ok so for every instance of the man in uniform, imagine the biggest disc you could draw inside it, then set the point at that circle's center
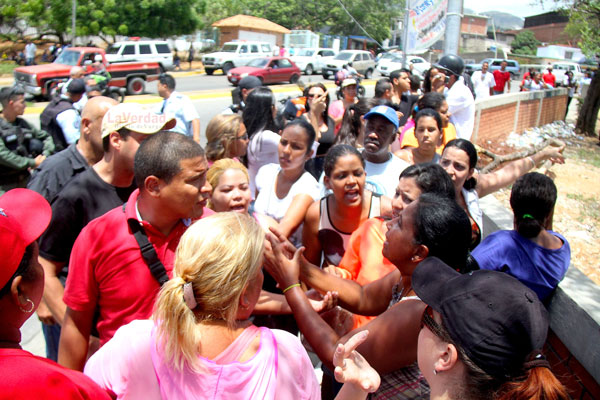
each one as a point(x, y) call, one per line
point(60, 118)
point(22, 147)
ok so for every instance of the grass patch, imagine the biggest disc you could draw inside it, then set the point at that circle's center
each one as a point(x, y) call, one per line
point(589, 156)
point(6, 68)
point(589, 207)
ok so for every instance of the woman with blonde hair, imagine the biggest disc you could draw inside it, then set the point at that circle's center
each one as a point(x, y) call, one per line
point(226, 138)
point(200, 342)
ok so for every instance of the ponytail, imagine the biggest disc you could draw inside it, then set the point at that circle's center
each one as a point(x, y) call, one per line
point(528, 226)
point(177, 336)
point(539, 384)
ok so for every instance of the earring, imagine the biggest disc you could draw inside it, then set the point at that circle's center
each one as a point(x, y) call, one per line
point(32, 306)
point(435, 371)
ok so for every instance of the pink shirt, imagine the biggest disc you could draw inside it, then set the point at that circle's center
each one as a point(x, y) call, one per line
point(130, 365)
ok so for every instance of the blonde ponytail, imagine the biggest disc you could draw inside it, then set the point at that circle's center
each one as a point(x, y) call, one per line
point(218, 255)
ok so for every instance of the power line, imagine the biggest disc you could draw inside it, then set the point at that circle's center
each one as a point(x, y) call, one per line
point(359, 25)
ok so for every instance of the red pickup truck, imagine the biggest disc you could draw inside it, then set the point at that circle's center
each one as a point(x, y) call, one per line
point(39, 80)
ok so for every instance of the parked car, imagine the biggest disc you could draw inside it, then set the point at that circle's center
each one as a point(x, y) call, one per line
point(39, 80)
point(360, 60)
point(388, 65)
point(267, 69)
point(141, 50)
point(235, 54)
point(311, 61)
point(494, 63)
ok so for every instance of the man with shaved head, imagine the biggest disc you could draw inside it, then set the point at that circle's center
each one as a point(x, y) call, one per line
point(58, 169)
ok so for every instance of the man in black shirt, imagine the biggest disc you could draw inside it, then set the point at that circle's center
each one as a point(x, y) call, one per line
point(52, 175)
point(401, 93)
point(93, 192)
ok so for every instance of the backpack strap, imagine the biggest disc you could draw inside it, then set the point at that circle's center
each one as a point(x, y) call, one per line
point(156, 267)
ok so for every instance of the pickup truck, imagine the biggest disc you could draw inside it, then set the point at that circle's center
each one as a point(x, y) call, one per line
point(559, 69)
point(39, 80)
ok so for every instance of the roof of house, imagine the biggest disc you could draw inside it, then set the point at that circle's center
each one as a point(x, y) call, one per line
point(249, 22)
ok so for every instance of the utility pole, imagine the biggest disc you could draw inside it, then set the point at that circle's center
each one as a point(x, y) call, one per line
point(405, 32)
point(453, 17)
point(73, 20)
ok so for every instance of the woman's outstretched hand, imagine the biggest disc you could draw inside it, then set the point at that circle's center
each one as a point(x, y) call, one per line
point(353, 370)
point(283, 260)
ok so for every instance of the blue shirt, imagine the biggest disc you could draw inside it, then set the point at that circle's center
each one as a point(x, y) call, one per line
point(181, 107)
point(537, 267)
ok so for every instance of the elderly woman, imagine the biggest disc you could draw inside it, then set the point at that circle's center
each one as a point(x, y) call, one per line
point(200, 342)
point(24, 216)
point(226, 138)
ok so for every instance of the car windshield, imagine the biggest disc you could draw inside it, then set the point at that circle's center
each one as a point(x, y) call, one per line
point(344, 56)
point(229, 48)
point(259, 62)
point(114, 49)
point(68, 57)
point(306, 53)
point(397, 59)
point(387, 56)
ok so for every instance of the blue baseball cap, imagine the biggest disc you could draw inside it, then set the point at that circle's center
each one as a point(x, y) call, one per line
point(386, 112)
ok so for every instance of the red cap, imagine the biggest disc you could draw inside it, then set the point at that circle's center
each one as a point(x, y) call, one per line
point(24, 216)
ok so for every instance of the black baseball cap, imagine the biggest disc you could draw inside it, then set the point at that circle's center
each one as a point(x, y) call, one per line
point(77, 86)
point(249, 82)
point(493, 317)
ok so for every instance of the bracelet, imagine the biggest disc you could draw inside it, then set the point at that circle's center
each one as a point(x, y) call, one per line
point(532, 162)
point(291, 286)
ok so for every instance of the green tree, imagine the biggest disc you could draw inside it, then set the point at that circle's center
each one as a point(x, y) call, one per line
point(525, 43)
point(107, 18)
point(374, 15)
point(584, 22)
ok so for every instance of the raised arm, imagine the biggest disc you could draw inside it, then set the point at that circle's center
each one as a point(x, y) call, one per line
point(310, 234)
point(494, 181)
point(295, 214)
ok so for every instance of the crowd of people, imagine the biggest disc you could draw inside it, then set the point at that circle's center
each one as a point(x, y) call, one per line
point(143, 253)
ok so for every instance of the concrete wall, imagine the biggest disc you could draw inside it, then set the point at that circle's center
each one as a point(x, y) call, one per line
point(497, 116)
point(474, 24)
point(573, 345)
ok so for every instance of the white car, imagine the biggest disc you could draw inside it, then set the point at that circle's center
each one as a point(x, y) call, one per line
point(387, 66)
point(235, 54)
point(142, 50)
point(311, 61)
point(362, 61)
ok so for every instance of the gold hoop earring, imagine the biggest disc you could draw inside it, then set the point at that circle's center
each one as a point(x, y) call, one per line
point(32, 306)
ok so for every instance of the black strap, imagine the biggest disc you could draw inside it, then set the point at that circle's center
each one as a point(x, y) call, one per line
point(156, 267)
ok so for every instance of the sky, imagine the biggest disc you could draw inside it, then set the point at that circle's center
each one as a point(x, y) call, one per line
point(520, 8)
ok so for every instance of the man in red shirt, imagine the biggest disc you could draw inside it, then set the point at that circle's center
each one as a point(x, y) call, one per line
point(501, 76)
point(549, 78)
point(109, 283)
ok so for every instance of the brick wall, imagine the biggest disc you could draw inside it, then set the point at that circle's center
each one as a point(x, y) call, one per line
point(497, 116)
point(579, 383)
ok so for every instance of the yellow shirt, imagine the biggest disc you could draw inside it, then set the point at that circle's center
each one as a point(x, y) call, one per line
point(448, 133)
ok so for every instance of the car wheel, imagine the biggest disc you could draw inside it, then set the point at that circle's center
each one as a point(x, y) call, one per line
point(309, 70)
point(136, 86)
point(226, 67)
point(209, 71)
point(294, 78)
point(161, 68)
point(325, 76)
point(369, 73)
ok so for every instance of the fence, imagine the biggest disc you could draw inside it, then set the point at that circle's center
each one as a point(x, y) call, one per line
point(496, 116)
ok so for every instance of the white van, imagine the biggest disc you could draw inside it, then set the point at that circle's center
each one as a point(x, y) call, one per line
point(141, 50)
point(235, 54)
